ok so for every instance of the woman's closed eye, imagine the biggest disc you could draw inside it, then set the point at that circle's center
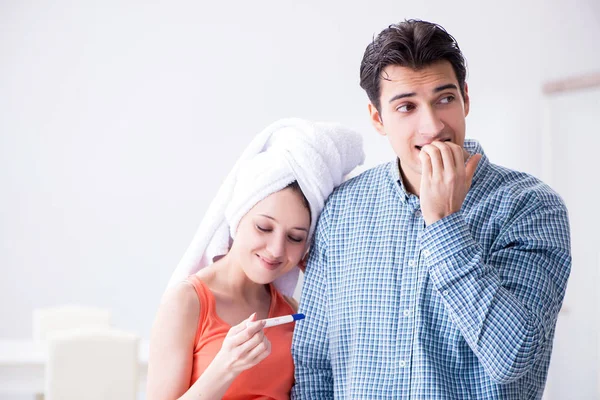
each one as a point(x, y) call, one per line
point(296, 239)
point(263, 229)
point(292, 238)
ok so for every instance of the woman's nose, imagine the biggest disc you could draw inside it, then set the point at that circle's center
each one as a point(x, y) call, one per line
point(276, 246)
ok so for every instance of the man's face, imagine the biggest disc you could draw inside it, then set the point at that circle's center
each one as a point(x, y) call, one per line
point(417, 108)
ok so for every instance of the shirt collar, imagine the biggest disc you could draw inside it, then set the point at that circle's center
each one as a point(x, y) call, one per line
point(397, 179)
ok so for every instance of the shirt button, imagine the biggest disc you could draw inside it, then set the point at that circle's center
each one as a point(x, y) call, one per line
point(417, 213)
point(445, 292)
point(411, 263)
point(426, 253)
point(403, 363)
point(406, 313)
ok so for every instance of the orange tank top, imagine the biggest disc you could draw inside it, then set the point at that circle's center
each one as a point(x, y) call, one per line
point(273, 377)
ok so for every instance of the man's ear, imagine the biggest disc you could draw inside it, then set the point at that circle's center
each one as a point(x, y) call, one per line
point(376, 119)
point(467, 100)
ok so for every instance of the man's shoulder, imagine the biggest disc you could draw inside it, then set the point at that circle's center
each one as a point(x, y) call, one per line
point(373, 175)
point(517, 186)
point(362, 184)
point(495, 184)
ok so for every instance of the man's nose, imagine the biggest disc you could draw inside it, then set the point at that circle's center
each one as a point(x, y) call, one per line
point(429, 123)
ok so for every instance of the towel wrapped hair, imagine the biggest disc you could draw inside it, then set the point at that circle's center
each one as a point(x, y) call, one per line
point(316, 155)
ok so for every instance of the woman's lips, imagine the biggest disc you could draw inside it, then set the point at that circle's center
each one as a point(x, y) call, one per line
point(269, 264)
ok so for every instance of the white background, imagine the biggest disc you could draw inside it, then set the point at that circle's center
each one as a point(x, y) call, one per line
point(119, 120)
point(574, 173)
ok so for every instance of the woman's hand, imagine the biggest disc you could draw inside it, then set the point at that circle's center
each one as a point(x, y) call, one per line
point(244, 346)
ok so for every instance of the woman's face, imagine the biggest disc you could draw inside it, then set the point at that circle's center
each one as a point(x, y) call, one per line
point(272, 237)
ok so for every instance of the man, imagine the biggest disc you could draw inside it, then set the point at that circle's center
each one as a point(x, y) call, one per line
point(439, 275)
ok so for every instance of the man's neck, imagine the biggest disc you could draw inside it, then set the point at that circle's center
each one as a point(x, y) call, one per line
point(411, 184)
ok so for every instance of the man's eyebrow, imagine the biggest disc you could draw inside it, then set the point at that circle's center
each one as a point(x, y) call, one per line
point(401, 96)
point(444, 87)
point(436, 90)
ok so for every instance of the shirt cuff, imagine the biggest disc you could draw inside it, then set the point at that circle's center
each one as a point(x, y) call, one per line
point(444, 238)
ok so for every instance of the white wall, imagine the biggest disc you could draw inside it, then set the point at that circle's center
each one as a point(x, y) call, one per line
point(575, 170)
point(118, 120)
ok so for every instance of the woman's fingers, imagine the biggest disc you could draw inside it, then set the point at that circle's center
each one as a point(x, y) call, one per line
point(250, 344)
point(259, 352)
point(248, 328)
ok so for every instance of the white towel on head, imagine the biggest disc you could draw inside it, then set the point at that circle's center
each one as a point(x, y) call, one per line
point(316, 155)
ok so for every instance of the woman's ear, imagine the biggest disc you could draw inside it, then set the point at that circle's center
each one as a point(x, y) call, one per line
point(302, 263)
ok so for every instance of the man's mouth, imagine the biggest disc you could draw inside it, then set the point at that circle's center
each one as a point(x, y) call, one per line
point(421, 146)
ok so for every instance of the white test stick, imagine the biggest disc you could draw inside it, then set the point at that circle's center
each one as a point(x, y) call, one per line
point(286, 319)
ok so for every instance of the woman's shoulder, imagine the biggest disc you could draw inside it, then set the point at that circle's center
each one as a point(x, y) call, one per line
point(201, 281)
point(182, 298)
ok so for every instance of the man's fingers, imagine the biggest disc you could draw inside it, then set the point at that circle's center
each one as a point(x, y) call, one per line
point(471, 167)
point(466, 155)
point(459, 156)
point(425, 164)
point(447, 156)
point(437, 165)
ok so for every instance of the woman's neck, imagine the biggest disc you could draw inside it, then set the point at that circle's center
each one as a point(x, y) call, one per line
point(231, 278)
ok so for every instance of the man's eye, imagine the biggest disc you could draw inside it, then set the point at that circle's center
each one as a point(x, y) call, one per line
point(405, 108)
point(447, 100)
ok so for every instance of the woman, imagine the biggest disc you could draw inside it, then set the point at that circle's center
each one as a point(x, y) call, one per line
point(209, 339)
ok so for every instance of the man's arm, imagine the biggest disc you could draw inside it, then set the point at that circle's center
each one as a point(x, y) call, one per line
point(310, 345)
point(505, 303)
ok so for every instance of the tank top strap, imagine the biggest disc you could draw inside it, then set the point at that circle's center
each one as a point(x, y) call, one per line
point(207, 303)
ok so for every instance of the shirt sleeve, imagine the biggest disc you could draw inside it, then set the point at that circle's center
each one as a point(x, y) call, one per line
point(505, 302)
point(310, 346)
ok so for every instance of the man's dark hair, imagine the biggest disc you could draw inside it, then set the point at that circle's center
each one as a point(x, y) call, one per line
point(412, 43)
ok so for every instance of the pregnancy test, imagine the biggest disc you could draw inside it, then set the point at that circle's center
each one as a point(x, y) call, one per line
point(282, 320)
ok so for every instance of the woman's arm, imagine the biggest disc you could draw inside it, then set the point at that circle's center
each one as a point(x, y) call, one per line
point(172, 343)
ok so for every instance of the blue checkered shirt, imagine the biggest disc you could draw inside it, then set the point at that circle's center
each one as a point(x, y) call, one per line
point(465, 308)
